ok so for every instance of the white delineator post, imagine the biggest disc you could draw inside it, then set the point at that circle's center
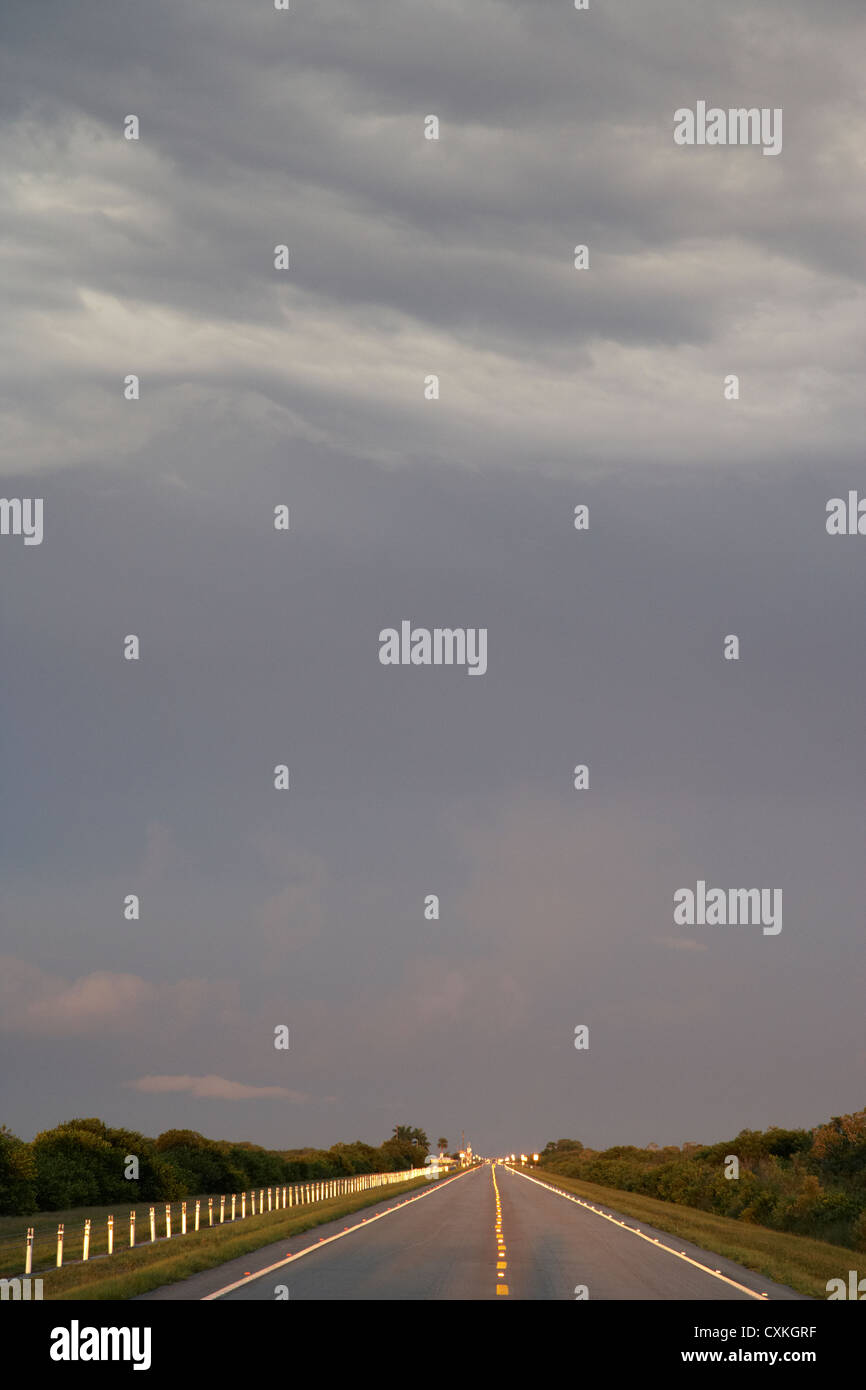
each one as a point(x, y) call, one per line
point(28, 1252)
point(234, 1196)
point(183, 1218)
point(197, 1211)
point(269, 1199)
point(111, 1235)
point(243, 1206)
point(131, 1229)
point(222, 1209)
point(210, 1211)
point(85, 1251)
point(60, 1245)
point(168, 1220)
point(153, 1223)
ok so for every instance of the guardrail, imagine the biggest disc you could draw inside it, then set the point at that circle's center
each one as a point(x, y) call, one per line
point(279, 1198)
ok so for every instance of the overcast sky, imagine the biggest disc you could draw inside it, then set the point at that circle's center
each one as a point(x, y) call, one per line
point(558, 387)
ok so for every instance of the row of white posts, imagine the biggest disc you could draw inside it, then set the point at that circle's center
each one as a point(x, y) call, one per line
point(278, 1199)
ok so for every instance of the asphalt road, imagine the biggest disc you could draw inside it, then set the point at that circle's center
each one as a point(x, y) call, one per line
point(487, 1234)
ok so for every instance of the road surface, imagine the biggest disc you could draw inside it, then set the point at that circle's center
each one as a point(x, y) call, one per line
point(490, 1233)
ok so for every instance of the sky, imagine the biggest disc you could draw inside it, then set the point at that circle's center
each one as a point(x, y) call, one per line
point(305, 387)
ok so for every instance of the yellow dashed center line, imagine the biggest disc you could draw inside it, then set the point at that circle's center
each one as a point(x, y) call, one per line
point(500, 1243)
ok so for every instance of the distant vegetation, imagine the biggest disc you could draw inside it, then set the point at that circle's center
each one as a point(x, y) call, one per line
point(808, 1182)
point(82, 1163)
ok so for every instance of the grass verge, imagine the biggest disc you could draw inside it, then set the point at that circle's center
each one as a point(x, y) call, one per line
point(13, 1230)
point(130, 1272)
point(798, 1261)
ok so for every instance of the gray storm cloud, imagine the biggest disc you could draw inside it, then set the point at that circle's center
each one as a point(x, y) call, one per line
point(558, 387)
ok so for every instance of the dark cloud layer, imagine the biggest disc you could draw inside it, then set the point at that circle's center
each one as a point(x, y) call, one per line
point(707, 517)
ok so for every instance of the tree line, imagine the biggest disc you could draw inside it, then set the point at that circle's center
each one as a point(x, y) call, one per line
point(84, 1162)
point(809, 1182)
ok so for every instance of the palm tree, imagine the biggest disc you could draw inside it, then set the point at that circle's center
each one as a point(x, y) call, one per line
point(412, 1136)
point(442, 1145)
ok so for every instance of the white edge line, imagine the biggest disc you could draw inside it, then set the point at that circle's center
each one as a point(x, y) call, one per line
point(326, 1240)
point(651, 1240)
